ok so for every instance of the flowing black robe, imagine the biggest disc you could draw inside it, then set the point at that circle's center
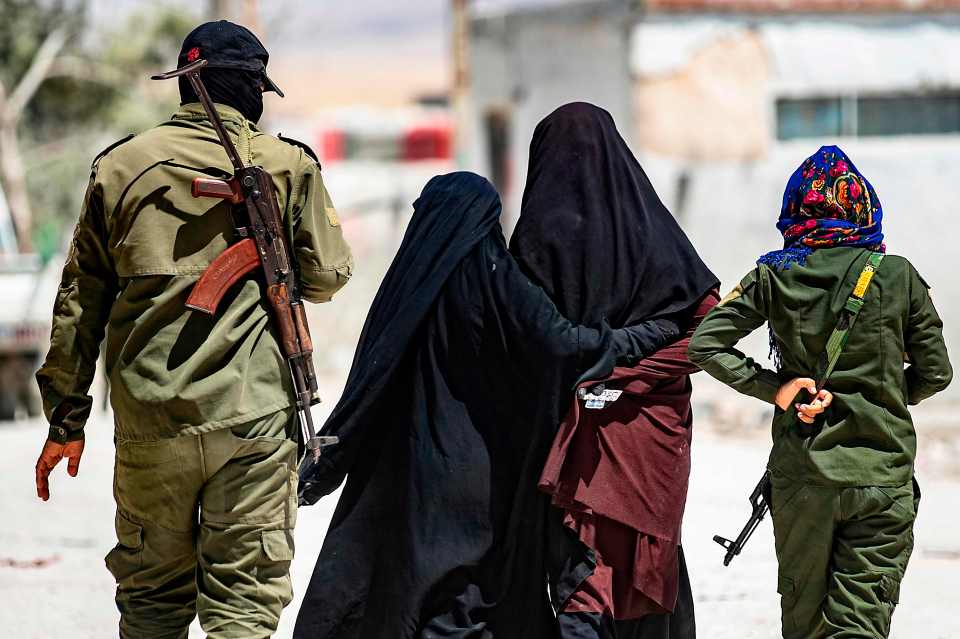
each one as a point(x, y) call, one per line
point(594, 234)
point(439, 530)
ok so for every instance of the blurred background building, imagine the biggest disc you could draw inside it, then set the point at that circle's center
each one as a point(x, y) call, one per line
point(720, 100)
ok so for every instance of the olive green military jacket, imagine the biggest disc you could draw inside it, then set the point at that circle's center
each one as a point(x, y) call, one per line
point(141, 243)
point(867, 438)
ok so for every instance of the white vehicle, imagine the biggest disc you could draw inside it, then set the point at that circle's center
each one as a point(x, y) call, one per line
point(27, 292)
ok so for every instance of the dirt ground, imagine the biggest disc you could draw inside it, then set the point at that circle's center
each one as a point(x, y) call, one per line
point(53, 582)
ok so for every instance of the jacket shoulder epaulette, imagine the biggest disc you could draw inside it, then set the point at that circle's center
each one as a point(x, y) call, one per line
point(909, 269)
point(303, 145)
point(100, 155)
point(748, 282)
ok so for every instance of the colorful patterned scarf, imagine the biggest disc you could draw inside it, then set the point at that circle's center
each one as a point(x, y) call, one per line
point(827, 203)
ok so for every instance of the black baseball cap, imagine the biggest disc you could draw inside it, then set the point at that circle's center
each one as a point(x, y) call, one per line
point(225, 45)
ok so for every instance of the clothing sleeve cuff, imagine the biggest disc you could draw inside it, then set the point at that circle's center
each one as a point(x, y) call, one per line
point(767, 386)
point(62, 435)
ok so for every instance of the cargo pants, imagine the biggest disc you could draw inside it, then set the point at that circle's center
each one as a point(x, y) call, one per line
point(205, 527)
point(842, 554)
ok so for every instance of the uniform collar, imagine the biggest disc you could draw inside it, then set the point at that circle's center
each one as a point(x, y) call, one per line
point(194, 111)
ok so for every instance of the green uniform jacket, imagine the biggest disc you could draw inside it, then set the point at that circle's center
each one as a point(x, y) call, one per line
point(867, 437)
point(141, 243)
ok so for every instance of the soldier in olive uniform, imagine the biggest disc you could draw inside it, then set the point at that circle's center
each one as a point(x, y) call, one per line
point(843, 495)
point(205, 479)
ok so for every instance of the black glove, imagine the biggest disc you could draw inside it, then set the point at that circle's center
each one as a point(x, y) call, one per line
point(317, 479)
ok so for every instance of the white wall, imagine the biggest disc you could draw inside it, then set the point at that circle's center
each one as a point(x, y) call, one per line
point(732, 205)
point(531, 62)
point(732, 208)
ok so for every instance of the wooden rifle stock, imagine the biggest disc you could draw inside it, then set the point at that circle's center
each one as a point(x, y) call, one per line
point(210, 187)
point(259, 225)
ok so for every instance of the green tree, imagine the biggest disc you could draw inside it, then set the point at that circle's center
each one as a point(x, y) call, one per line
point(32, 39)
point(65, 88)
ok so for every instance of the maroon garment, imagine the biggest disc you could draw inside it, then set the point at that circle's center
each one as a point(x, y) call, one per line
point(621, 474)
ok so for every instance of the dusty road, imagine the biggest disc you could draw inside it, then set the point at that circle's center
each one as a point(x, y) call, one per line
point(53, 582)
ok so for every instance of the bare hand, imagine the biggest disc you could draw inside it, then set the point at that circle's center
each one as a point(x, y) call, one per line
point(808, 412)
point(789, 391)
point(50, 456)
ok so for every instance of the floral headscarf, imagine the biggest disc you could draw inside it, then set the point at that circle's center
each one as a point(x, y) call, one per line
point(827, 203)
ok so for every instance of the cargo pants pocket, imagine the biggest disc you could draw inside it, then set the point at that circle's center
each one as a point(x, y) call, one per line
point(277, 544)
point(787, 588)
point(275, 569)
point(126, 558)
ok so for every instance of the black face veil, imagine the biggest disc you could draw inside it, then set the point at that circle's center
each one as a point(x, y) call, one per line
point(240, 89)
point(592, 230)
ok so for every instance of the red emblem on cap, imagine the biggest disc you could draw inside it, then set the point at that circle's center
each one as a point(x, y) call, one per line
point(193, 54)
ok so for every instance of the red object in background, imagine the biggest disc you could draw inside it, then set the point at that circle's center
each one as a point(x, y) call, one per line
point(332, 145)
point(426, 143)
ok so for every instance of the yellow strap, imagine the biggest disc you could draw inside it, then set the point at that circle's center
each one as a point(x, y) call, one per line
point(865, 277)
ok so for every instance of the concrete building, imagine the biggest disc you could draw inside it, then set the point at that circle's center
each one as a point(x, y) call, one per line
point(722, 99)
point(525, 61)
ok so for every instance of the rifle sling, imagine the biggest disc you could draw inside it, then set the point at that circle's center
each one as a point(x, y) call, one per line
point(827, 361)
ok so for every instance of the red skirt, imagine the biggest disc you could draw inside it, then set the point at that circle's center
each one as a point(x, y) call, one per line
point(621, 474)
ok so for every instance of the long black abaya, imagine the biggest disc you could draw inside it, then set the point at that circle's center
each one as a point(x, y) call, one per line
point(439, 530)
point(594, 234)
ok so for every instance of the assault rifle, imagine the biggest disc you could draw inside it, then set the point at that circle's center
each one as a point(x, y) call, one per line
point(261, 242)
point(760, 502)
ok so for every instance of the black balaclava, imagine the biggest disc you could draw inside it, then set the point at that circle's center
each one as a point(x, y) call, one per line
point(236, 67)
point(242, 90)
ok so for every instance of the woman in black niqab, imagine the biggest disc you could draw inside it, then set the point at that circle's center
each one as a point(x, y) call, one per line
point(592, 230)
point(595, 236)
point(438, 531)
